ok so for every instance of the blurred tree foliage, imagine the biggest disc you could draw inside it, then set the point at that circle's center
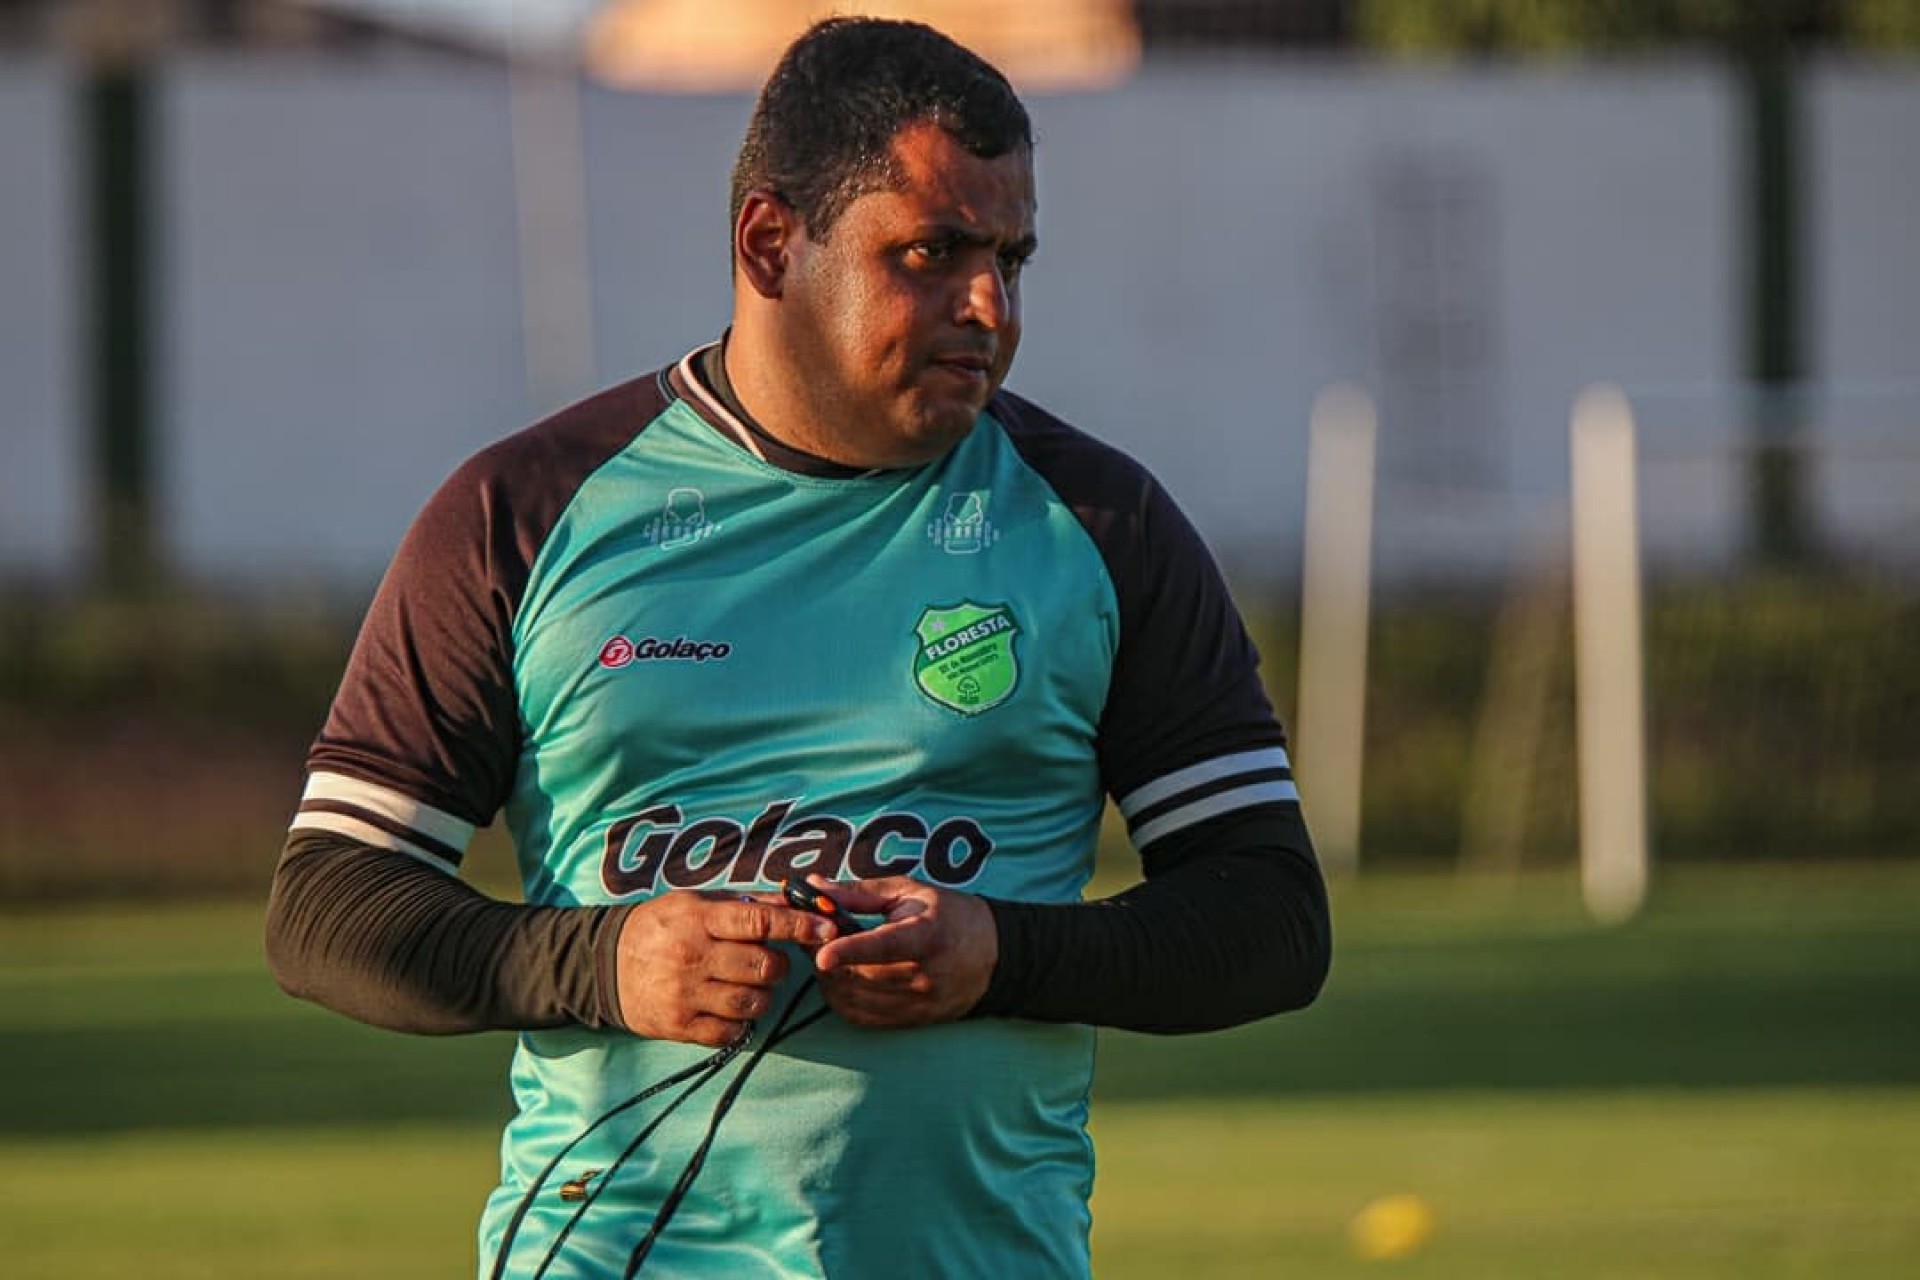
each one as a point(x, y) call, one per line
point(1781, 723)
point(167, 657)
point(1885, 24)
point(156, 750)
point(1577, 26)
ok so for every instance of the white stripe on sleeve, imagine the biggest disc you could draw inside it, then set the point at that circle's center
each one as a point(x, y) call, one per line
point(1206, 771)
point(381, 816)
point(1212, 807)
point(342, 825)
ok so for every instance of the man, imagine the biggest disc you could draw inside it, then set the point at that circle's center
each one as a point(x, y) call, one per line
point(821, 603)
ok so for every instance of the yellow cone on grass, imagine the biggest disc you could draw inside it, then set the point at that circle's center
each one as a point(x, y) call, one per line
point(1391, 1227)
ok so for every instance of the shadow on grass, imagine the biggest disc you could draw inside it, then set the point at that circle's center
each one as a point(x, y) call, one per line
point(200, 1074)
point(1696, 1032)
point(1583, 1011)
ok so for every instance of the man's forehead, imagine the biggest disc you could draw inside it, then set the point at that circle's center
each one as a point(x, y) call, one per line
point(925, 148)
point(935, 174)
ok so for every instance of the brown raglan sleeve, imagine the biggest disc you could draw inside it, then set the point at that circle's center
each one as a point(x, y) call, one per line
point(367, 915)
point(1231, 921)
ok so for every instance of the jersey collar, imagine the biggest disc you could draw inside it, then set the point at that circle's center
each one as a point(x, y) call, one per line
point(701, 380)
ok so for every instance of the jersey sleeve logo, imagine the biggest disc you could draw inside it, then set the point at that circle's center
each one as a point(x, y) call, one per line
point(963, 528)
point(964, 658)
point(682, 521)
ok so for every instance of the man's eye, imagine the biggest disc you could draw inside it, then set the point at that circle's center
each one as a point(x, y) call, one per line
point(930, 253)
point(1011, 265)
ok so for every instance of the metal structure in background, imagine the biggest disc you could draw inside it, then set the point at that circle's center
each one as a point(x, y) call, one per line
point(1436, 229)
point(1214, 25)
point(1781, 521)
point(154, 28)
point(115, 124)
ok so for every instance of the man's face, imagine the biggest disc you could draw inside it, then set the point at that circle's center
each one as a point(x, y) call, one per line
point(905, 318)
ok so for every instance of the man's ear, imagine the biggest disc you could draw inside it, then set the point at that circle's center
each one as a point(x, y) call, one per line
point(763, 239)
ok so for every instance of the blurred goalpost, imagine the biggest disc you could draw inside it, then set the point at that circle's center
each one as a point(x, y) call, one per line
point(1335, 593)
point(1609, 666)
point(1336, 590)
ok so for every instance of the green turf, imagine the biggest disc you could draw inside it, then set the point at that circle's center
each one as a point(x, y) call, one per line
point(298, 1204)
point(1728, 1087)
point(1752, 1185)
point(1647, 1186)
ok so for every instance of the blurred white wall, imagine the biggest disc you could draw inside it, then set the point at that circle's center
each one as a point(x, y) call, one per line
point(42, 413)
point(1864, 273)
point(342, 318)
point(1863, 154)
point(657, 173)
point(1859, 413)
point(1219, 242)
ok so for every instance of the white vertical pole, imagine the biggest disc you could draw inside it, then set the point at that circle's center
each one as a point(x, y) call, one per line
point(1336, 587)
point(1607, 656)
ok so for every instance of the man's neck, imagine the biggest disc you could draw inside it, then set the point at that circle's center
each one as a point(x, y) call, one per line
point(710, 366)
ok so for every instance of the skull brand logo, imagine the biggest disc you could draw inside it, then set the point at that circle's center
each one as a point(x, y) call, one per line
point(963, 529)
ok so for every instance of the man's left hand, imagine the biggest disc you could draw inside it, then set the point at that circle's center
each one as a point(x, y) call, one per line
point(929, 961)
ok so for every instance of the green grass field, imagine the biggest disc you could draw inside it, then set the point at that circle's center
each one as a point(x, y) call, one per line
point(1729, 1087)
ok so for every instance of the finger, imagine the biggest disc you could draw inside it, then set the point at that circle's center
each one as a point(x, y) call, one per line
point(746, 964)
point(865, 1007)
point(742, 919)
point(907, 977)
point(870, 897)
point(731, 1002)
point(887, 944)
point(715, 1033)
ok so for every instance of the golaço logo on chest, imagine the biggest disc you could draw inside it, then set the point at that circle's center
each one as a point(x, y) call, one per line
point(621, 652)
point(659, 848)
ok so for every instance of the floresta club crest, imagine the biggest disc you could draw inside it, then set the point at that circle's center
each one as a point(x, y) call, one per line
point(965, 659)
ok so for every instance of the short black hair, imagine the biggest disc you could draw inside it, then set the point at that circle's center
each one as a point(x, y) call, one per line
point(822, 131)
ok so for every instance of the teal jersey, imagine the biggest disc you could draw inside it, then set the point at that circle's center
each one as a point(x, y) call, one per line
point(674, 664)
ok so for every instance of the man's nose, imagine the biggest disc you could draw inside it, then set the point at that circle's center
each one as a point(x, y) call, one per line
point(987, 301)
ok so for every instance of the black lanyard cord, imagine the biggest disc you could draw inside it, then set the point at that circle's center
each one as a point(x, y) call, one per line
point(706, 1069)
point(646, 1131)
point(700, 1073)
point(698, 1159)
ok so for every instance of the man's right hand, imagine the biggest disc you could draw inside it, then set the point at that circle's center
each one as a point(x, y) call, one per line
point(698, 967)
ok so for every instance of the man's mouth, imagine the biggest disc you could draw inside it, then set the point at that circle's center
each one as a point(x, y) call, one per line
point(972, 366)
